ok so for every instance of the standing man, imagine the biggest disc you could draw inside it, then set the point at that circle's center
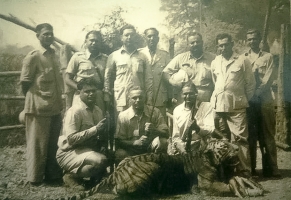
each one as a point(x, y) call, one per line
point(137, 131)
point(234, 87)
point(83, 139)
point(196, 64)
point(86, 64)
point(41, 84)
point(261, 113)
point(157, 59)
point(125, 68)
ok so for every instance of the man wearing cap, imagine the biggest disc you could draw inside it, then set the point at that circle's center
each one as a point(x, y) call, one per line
point(261, 113)
point(196, 63)
point(41, 84)
point(157, 59)
point(140, 128)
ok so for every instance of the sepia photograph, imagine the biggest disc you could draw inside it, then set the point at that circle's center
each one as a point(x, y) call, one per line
point(145, 99)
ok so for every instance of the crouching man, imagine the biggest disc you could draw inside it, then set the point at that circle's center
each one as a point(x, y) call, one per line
point(82, 140)
point(140, 128)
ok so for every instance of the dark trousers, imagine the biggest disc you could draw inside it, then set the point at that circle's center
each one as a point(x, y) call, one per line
point(261, 120)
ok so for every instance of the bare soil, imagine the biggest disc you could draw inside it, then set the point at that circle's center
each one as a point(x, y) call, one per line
point(13, 185)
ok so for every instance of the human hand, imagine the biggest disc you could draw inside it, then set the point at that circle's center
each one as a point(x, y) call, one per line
point(194, 126)
point(142, 141)
point(149, 128)
point(100, 127)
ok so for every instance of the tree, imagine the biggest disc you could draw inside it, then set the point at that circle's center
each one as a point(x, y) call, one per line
point(109, 26)
point(211, 17)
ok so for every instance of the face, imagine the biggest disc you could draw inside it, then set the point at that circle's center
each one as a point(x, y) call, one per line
point(195, 44)
point(88, 94)
point(128, 37)
point(93, 43)
point(224, 47)
point(253, 40)
point(46, 37)
point(152, 39)
point(137, 99)
point(189, 95)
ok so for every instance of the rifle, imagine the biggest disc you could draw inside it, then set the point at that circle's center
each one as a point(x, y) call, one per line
point(189, 130)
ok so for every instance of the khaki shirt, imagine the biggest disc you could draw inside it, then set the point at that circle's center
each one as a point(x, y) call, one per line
point(153, 77)
point(84, 65)
point(123, 71)
point(198, 70)
point(234, 84)
point(264, 71)
point(80, 124)
point(131, 126)
point(42, 69)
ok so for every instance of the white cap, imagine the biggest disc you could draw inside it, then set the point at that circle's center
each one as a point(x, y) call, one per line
point(21, 117)
point(179, 78)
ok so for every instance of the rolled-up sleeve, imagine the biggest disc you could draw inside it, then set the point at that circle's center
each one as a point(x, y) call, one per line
point(29, 67)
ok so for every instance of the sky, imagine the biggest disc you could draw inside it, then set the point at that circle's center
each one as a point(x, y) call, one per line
point(69, 17)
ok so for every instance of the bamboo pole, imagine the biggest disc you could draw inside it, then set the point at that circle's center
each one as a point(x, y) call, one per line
point(10, 73)
point(11, 127)
point(18, 22)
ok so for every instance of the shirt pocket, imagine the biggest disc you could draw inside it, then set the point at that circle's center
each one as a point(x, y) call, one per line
point(137, 65)
point(235, 72)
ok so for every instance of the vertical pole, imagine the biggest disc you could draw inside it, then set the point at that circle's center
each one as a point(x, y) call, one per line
point(264, 44)
point(200, 16)
point(281, 120)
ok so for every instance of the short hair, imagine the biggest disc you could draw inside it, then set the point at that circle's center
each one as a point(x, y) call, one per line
point(127, 26)
point(94, 32)
point(191, 85)
point(254, 31)
point(222, 36)
point(151, 29)
point(194, 34)
point(86, 81)
point(43, 25)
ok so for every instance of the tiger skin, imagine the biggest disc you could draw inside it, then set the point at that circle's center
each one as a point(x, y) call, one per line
point(156, 173)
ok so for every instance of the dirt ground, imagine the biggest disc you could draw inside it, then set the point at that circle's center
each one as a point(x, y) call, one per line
point(13, 185)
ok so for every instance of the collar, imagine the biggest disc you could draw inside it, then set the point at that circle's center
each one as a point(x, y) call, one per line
point(146, 112)
point(83, 106)
point(233, 57)
point(250, 51)
point(122, 50)
point(88, 54)
point(190, 56)
point(187, 109)
point(42, 50)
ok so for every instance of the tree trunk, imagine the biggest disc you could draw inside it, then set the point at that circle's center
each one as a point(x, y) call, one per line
point(282, 115)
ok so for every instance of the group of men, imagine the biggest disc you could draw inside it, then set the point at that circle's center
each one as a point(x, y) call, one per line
point(138, 86)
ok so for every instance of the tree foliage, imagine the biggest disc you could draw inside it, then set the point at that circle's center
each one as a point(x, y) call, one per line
point(109, 26)
point(211, 17)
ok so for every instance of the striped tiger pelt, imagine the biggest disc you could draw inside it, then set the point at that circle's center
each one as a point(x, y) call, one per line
point(140, 174)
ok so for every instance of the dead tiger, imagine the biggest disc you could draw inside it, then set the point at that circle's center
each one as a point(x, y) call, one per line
point(160, 173)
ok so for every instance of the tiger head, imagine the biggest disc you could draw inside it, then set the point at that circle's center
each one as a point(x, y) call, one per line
point(222, 152)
